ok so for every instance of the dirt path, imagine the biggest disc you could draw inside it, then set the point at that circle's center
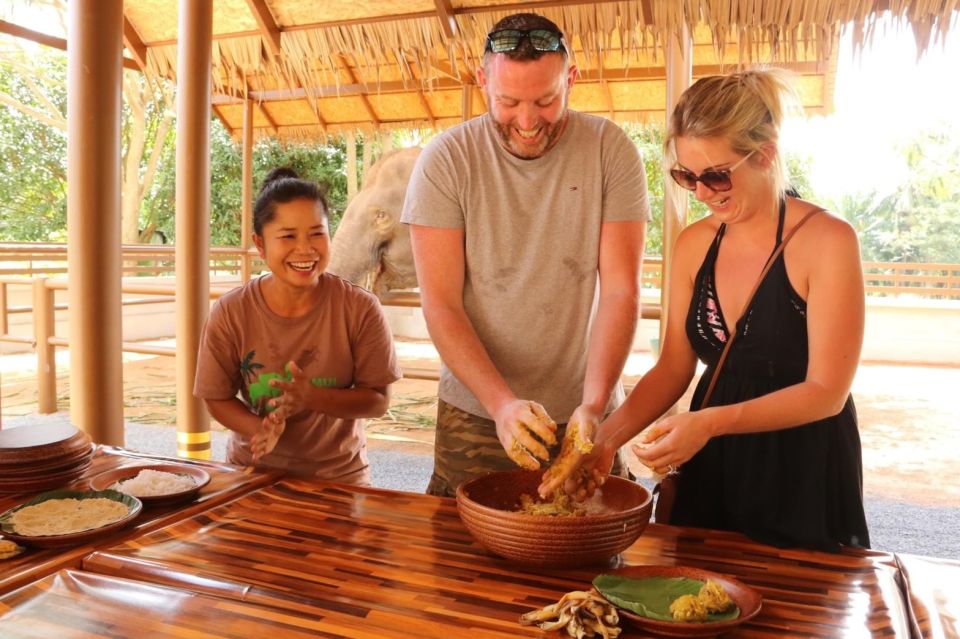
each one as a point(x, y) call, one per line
point(908, 418)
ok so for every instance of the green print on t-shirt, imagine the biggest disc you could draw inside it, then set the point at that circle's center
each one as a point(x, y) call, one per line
point(261, 391)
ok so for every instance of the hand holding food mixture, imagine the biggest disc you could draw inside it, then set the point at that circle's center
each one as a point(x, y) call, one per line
point(525, 430)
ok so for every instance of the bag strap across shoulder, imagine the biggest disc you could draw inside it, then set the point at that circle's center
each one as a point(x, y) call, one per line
point(763, 274)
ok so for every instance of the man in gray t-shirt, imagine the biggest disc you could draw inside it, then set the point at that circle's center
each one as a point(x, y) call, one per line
point(516, 217)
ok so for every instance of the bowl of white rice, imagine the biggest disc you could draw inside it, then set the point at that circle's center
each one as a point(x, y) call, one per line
point(155, 483)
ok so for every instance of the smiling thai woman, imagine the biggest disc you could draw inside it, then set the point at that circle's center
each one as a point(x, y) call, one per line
point(310, 354)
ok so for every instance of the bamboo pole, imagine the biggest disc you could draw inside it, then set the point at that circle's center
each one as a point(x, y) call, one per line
point(466, 102)
point(94, 76)
point(246, 191)
point(193, 217)
point(679, 63)
point(43, 329)
point(351, 140)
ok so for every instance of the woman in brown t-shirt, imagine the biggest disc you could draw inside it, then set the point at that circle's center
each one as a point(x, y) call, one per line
point(309, 353)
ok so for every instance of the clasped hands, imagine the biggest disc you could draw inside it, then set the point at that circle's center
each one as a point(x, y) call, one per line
point(292, 400)
point(525, 430)
point(586, 457)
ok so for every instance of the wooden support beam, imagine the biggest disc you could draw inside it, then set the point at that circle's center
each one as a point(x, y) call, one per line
point(352, 182)
point(399, 86)
point(269, 30)
point(363, 96)
point(93, 217)
point(133, 43)
point(246, 190)
point(466, 103)
point(50, 41)
point(330, 91)
point(268, 118)
point(427, 109)
point(609, 96)
point(446, 16)
point(194, 60)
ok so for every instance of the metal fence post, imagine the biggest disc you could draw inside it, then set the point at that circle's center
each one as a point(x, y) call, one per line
point(43, 329)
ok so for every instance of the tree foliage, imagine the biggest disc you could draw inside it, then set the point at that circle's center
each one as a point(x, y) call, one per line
point(323, 164)
point(33, 149)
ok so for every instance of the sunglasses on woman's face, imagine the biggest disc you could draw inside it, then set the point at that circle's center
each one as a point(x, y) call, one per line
point(713, 179)
point(507, 40)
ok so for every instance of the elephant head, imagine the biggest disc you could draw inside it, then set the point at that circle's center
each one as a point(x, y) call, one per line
point(371, 247)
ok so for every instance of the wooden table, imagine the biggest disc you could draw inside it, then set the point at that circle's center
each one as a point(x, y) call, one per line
point(355, 562)
point(226, 482)
point(934, 595)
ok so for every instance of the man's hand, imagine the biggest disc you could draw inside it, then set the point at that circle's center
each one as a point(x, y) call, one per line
point(265, 440)
point(517, 423)
point(293, 392)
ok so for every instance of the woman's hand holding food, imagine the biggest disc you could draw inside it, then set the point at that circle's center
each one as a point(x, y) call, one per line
point(525, 430)
point(667, 445)
point(577, 444)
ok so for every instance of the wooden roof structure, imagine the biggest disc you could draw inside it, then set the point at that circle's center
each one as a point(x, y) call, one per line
point(316, 68)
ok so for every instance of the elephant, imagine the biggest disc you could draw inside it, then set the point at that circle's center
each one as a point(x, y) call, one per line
point(371, 247)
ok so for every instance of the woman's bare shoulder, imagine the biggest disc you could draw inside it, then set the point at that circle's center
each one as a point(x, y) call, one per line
point(824, 226)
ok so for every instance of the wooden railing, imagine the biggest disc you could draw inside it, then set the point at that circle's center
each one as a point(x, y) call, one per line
point(931, 281)
point(37, 260)
point(926, 280)
point(28, 259)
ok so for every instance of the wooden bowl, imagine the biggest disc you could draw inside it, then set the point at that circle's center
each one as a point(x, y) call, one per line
point(71, 539)
point(746, 598)
point(200, 477)
point(617, 514)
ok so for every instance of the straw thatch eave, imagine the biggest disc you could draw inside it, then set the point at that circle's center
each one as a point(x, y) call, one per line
point(319, 68)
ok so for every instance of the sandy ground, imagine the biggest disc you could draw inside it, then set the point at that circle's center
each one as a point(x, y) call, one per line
point(908, 416)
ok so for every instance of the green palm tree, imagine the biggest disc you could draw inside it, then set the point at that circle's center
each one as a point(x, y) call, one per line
point(248, 367)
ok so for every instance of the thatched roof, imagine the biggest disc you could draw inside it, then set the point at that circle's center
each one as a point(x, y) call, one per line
point(315, 68)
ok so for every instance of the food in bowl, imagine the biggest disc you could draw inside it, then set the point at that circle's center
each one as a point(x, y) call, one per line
point(155, 483)
point(614, 518)
point(66, 516)
point(561, 505)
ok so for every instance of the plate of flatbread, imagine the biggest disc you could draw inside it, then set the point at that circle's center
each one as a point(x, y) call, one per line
point(61, 518)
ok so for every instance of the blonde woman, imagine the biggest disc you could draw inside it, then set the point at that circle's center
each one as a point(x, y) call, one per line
point(776, 452)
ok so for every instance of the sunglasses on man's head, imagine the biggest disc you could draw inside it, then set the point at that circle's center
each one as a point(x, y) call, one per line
point(713, 179)
point(507, 40)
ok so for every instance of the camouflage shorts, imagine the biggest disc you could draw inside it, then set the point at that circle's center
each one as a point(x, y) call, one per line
point(467, 446)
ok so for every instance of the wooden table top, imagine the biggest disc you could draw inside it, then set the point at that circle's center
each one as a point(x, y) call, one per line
point(113, 607)
point(934, 595)
point(226, 482)
point(362, 562)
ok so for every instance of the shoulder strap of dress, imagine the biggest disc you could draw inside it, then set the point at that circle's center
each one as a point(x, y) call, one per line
point(763, 274)
point(780, 220)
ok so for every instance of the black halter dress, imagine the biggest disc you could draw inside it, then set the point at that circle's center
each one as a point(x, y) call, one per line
point(798, 486)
